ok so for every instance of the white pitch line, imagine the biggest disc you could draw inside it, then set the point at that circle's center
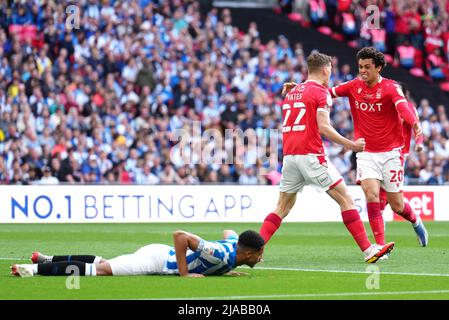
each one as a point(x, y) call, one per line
point(311, 295)
point(14, 258)
point(356, 272)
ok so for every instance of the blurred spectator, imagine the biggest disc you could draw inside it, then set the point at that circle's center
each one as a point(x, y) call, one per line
point(435, 65)
point(48, 178)
point(168, 175)
point(145, 176)
point(248, 176)
point(436, 177)
point(101, 104)
point(317, 13)
point(225, 176)
point(90, 169)
point(407, 30)
point(406, 55)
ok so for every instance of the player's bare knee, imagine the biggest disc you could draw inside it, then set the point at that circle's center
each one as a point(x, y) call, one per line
point(344, 200)
point(372, 196)
point(349, 200)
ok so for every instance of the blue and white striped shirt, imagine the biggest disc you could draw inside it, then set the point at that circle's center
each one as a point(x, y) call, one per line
point(210, 258)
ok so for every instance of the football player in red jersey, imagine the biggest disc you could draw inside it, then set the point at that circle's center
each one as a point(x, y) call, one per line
point(305, 112)
point(378, 107)
point(407, 132)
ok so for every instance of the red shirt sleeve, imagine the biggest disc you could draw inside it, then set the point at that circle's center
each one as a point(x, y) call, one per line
point(323, 100)
point(342, 90)
point(405, 112)
point(401, 104)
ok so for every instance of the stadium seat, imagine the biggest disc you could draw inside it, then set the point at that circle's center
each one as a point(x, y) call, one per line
point(353, 44)
point(388, 58)
point(295, 17)
point(29, 31)
point(305, 23)
point(277, 9)
point(418, 58)
point(24, 31)
point(445, 86)
point(417, 72)
point(338, 36)
point(325, 30)
point(15, 29)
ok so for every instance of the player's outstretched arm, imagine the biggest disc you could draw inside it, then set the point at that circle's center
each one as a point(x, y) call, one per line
point(184, 240)
point(329, 132)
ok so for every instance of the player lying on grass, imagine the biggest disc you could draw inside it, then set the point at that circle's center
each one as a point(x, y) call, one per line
point(190, 257)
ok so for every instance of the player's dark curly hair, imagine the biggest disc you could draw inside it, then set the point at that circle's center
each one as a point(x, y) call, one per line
point(372, 53)
point(250, 239)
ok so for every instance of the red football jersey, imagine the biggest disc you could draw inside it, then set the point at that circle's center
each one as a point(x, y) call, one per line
point(299, 109)
point(374, 112)
point(407, 132)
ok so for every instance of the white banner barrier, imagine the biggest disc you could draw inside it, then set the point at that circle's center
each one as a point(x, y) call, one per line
point(104, 203)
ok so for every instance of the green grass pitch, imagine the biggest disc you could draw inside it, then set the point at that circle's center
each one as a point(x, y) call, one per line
point(302, 261)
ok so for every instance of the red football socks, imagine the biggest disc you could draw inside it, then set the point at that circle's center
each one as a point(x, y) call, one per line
point(351, 219)
point(376, 222)
point(407, 213)
point(269, 226)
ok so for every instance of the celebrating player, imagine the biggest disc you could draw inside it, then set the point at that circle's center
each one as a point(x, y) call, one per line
point(407, 132)
point(191, 257)
point(378, 107)
point(305, 116)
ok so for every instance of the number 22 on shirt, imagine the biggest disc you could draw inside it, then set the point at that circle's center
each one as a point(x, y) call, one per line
point(293, 113)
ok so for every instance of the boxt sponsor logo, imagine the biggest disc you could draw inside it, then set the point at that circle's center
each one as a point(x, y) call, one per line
point(422, 203)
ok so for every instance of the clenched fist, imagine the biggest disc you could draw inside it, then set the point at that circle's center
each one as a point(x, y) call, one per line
point(359, 145)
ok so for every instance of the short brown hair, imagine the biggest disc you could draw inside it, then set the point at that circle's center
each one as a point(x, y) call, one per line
point(317, 61)
point(374, 54)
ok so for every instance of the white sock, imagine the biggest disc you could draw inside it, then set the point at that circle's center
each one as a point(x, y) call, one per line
point(91, 270)
point(418, 220)
point(368, 251)
point(34, 268)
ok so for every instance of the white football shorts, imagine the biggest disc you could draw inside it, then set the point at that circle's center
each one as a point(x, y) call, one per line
point(314, 170)
point(150, 259)
point(388, 167)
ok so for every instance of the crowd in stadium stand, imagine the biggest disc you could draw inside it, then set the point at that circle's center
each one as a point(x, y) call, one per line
point(99, 100)
point(413, 34)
